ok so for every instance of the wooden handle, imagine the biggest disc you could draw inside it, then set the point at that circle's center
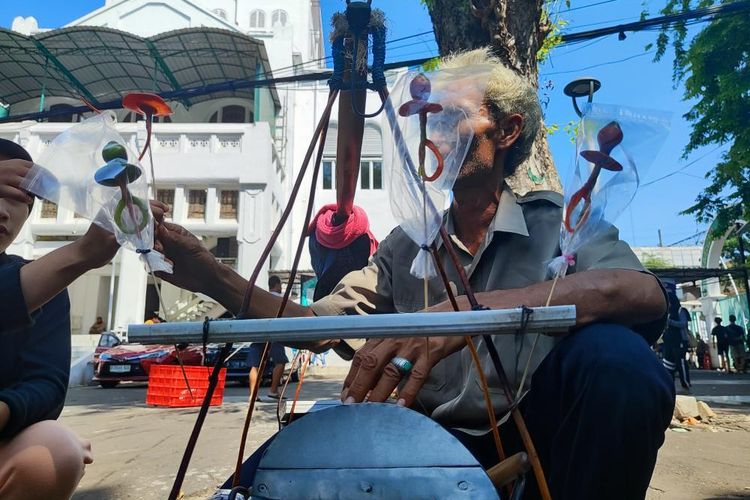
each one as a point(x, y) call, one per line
point(509, 469)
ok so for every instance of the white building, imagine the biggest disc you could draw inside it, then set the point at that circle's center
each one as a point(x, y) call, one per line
point(225, 164)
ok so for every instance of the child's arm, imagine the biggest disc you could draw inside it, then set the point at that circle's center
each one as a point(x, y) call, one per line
point(47, 276)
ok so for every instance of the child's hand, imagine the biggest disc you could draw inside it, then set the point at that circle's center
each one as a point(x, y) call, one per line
point(97, 247)
point(12, 173)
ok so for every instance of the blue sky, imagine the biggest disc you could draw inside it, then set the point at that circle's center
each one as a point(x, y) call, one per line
point(628, 76)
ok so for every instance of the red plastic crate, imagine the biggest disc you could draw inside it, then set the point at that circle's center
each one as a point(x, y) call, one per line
point(166, 386)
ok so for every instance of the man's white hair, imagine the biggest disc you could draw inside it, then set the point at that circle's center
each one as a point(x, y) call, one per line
point(507, 93)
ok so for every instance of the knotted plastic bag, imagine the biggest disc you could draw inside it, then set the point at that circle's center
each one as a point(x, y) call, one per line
point(431, 132)
point(615, 146)
point(90, 170)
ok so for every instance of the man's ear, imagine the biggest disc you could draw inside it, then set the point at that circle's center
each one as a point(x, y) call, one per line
point(508, 131)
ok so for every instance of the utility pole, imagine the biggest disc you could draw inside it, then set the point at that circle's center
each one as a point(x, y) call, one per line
point(741, 228)
point(661, 243)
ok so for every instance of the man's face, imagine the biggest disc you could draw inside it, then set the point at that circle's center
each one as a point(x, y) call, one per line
point(13, 215)
point(480, 159)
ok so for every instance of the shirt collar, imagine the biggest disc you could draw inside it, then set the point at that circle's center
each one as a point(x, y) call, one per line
point(508, 218)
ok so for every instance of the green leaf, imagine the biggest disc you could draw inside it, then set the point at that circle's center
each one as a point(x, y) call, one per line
point(714, 66)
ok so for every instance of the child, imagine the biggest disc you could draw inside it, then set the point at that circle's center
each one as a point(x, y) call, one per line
point(39, 458)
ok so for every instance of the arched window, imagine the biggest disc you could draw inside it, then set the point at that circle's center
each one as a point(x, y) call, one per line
point(221, 13)
point(257, 19)
point(279, 18)
point(232, 113)
point(62, 118)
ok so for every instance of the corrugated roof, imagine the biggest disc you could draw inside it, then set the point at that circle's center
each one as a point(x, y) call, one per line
point(103, 64)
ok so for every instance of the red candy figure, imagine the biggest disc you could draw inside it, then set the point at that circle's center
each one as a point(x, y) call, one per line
point(148, 105)
point(420, 89)
point(609, 137)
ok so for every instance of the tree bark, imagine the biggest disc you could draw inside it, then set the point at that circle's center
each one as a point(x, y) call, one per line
point(514, 30)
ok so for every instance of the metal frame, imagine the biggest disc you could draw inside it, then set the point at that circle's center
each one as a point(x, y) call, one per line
point(76, 56)
point(493, 322)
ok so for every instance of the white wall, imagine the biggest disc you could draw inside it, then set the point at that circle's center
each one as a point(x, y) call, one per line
point(150, 17)
point(262, 180)
point(186, 156)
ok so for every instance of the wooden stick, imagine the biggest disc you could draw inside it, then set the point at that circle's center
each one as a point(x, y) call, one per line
point(305, 363)
point(475, 357)
point(289, 206)
point(295, 361)
point(502, 377)
point(249, 414)
point(508, 470)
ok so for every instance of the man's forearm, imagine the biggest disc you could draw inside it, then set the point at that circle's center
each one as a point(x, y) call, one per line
point(616, 295)
point(229, 290)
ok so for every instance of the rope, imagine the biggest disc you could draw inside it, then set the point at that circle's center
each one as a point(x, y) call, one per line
point(213, 380)
point(289, 206)
point(305, 362)
point(292, 366)
point(475, 358)
point(494, 356)
point(249, 415)
point(318, 137)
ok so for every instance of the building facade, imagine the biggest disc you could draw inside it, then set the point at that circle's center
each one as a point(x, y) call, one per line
point(224, 165)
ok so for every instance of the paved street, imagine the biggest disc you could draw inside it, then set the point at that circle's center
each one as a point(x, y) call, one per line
point(138, 448)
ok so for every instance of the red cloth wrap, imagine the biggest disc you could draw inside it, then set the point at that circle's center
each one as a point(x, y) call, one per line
point(337, 237)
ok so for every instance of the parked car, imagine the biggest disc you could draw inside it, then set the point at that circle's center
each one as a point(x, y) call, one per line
point(238, 370)
point(131, 362)
point(107, 340)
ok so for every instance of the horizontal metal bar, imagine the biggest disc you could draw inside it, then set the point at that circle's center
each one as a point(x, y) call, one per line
point(493, 322)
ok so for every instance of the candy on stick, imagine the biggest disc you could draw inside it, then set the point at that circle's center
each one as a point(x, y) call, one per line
point(90, 170)
point(435, 112)
point(614, 147)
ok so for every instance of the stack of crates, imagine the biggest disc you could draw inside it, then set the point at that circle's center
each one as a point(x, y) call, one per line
point(167, 387)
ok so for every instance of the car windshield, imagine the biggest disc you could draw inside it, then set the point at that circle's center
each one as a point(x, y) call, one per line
point(109, 340)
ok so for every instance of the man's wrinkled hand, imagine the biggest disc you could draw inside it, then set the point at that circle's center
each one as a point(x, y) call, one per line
point(374, 377)
point(195, 268)
point(159, 210)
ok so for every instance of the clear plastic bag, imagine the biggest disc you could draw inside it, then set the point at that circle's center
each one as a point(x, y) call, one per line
point(615, 145)
point(90, 170)
point(419, 197)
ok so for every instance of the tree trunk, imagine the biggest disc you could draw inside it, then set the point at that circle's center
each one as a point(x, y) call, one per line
point(514, 31)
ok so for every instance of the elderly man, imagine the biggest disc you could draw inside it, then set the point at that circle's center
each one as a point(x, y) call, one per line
point(598, 401)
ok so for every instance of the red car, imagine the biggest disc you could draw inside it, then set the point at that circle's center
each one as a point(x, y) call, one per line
point(132, 362)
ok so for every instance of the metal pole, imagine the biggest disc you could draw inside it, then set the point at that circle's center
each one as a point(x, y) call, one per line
point(111, 293)
point(308, 329)
point(741, 246)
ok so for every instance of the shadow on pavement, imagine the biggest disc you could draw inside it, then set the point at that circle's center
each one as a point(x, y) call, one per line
point(94, 399)
point(100, 493)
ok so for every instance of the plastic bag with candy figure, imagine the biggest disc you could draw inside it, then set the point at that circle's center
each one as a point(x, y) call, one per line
point(615, 145)
point(431, 117)
point(90, 170)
